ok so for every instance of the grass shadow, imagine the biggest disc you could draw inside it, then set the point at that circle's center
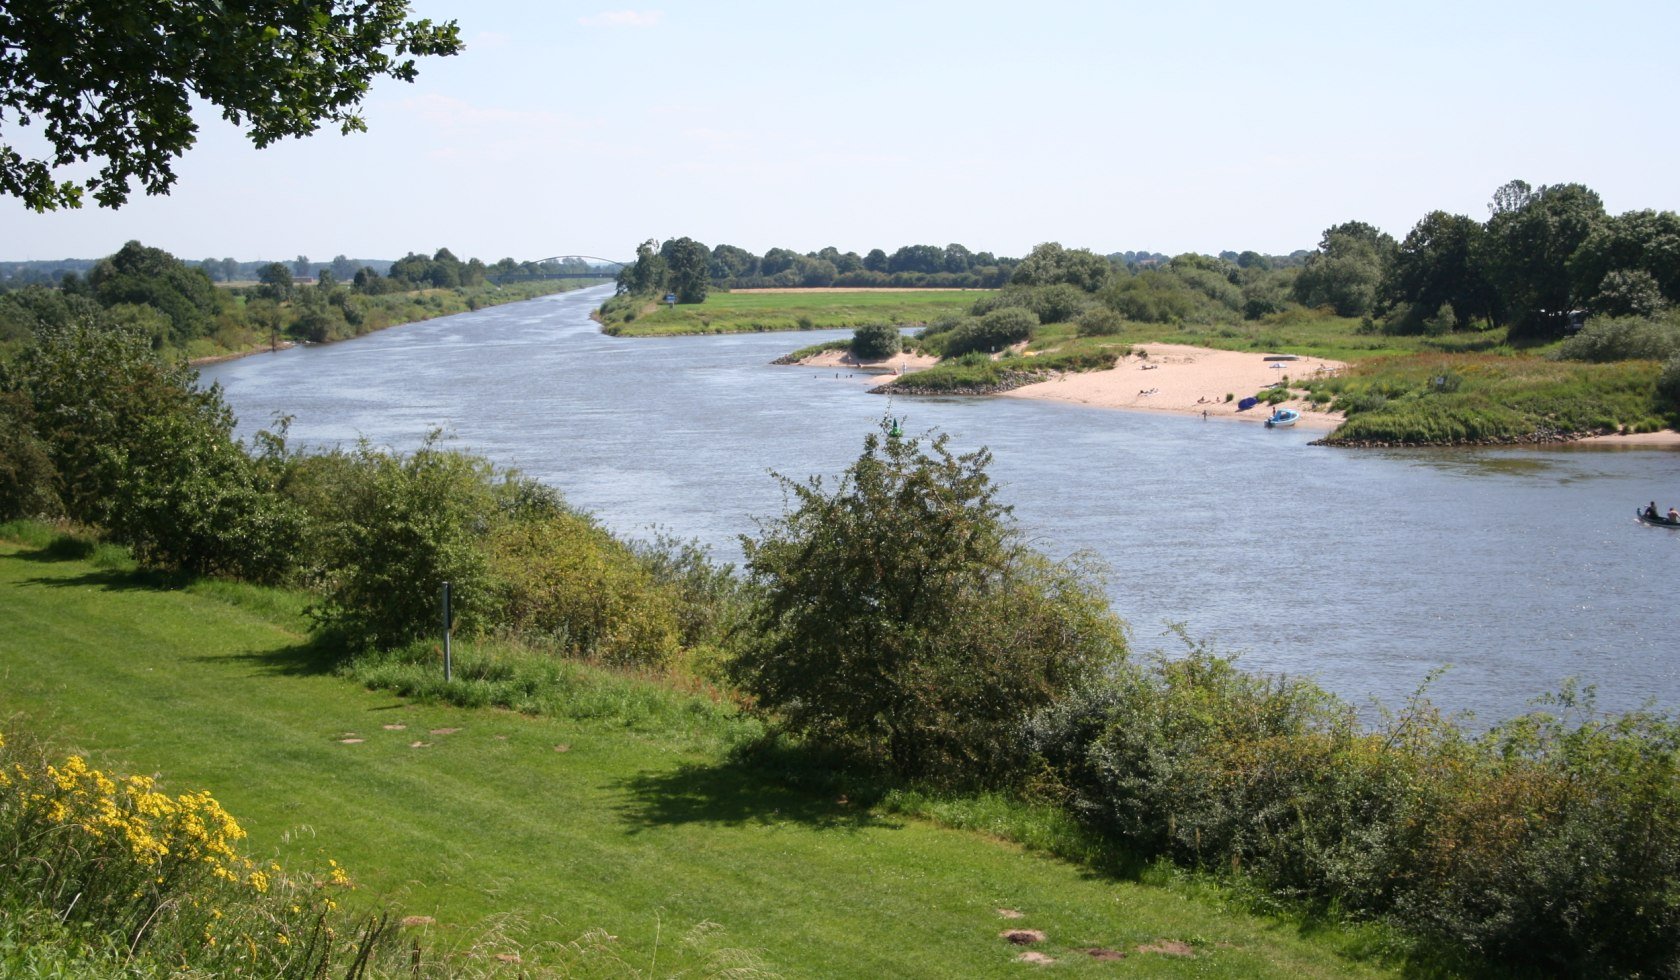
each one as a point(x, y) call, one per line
point(317, 655)
point(731, 795)
point(108, 580)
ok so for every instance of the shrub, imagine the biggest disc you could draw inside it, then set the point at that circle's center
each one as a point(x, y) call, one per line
point(142, 452)
point(902, 618)
point(992, 332)
point(397, 529)
point(875, 341)
point(1100, 321)
point(1551, 842)
point(1607, 339)
point(1668, 383)
point(561, 576)
point(111, 876)
point(1060, 303)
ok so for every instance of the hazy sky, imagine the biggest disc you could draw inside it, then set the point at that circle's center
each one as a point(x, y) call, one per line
point(577, 128)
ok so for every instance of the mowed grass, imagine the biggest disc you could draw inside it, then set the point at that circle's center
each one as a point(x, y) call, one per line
point(548, 827)
point(815, 310)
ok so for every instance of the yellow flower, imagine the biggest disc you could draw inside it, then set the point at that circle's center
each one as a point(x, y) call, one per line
point(282, 939)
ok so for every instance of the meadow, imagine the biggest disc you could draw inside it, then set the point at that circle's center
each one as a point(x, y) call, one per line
point(750, 312)
point(620, 808)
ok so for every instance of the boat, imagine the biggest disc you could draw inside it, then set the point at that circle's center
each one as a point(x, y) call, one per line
point(1282, 417)
point(1643, 517)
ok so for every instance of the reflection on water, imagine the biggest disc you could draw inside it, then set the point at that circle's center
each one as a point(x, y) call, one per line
point(1365, 569)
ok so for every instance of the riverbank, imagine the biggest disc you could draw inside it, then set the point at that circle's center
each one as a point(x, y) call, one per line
point(1189, 380)
point(388, 310)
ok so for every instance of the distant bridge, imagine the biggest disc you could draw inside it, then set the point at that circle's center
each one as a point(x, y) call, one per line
point(591, 260)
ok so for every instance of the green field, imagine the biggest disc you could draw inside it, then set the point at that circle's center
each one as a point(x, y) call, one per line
point(751, 312)
point(544, 828)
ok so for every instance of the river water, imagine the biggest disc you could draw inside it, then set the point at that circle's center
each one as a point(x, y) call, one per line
point(1515, 568)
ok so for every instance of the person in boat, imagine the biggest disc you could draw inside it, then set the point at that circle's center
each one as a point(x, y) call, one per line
point(1651, 511)
point(1673, 516)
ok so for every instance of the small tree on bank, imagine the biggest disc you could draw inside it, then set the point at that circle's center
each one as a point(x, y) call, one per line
point(874, 341)
point(902, 617)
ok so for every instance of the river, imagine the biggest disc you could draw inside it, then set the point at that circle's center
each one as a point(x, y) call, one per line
point(1367, 570)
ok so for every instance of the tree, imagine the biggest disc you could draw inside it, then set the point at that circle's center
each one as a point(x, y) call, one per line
point(648, 274)
point(689, 263)
point(1638, 241)
point(1050, 263)
point(1440, 263)
point(902, 617)
point(276, 281)
point(1531, 237)
point(731, 262)
point(153, 277)
point(1346, 272)
point(300, 267)
point(114, 81)
point(875, 261)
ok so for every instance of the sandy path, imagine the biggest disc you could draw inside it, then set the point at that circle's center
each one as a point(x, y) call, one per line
point(1187, 380)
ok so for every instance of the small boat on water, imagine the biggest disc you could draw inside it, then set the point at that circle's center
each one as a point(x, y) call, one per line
point(1282, 417)
point(1644, 516)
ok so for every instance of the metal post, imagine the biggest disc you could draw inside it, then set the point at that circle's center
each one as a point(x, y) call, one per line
point(448, 626)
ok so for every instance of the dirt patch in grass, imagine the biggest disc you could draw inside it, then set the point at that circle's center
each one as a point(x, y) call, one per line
point(1022, 937)
point(1168, 947)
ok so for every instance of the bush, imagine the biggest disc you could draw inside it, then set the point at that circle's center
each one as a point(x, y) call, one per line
point(1100, 321)
point(902, 618)
point(1551, 842)
point(561, 577)
point(398, 528)
point(1606, 339)
point(139, 450)
point(1668, 383)
point(992, 332)
point(875, 341)
point(107, 875)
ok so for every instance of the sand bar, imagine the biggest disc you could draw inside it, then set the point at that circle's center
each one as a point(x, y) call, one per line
point(900, 363)
point(1188, 380)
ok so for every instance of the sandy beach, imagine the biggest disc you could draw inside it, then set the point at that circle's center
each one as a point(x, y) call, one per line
point(1187, 380)
point(901, 363)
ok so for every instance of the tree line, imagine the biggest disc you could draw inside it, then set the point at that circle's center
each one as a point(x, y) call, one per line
point(179, 307)
point(1544, 258)
point(688, 268)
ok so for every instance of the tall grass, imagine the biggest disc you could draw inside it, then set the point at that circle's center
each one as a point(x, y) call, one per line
point(1437, 399)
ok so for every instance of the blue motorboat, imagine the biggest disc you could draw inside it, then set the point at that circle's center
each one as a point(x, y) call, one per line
point(1282, 417)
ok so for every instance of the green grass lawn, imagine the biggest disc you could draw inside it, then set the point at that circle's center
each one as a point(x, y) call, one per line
point(815, 310)
point(548, 827)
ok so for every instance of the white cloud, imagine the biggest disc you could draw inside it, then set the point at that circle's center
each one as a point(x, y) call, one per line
point(624, 18)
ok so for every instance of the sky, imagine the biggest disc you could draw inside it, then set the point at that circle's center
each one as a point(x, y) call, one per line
point(582, 128)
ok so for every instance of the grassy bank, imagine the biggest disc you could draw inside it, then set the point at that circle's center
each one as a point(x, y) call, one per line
point(384, 310)
point(1488, 399)
point(758, 312)
point(596, 814)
